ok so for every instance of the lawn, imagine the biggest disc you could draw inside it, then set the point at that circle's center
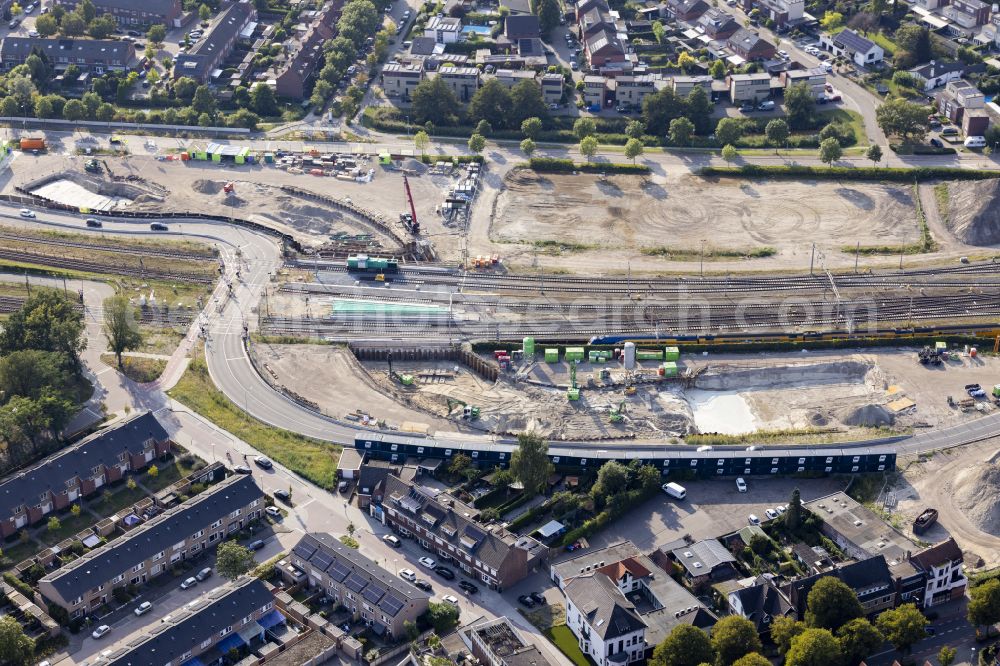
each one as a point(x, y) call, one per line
point(567, 644)
point(69, 526)
point(136, 368)
point(310, 458)
point(887, 44)
point(168, 472)
point(851, 118)
point(120, 498)
point(15, 552)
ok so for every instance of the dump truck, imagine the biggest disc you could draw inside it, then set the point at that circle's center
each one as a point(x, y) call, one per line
point(29, 143)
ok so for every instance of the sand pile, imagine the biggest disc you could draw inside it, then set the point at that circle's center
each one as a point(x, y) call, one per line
point(977, 494)
point(414, 165)
point(973, 211)
point(868, 416)
point(204, 186)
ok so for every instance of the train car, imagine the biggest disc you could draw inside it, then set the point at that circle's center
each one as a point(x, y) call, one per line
point(362, 263)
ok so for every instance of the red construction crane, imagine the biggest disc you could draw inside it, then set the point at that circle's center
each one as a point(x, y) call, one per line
point(409, 220)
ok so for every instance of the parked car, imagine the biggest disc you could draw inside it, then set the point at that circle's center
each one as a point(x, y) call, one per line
point(143, 608)
point(242, 469)
point(204, 574)
point(392, 540)
point(753, 519)
point(283, 495)
point(408, 574)
point(422, 584)
point(444, 572)
point(539, 598)
point(273, 511)
point(746, 108)
point(741, 485)
point(937, 143)
point(771, 514)
point(427, 562)
point(189, 583)
point(94, 223)
point(949, 131)
point(767, 105)
point(256, 545)
point(468, 587)
point(975, 142)
point(451, 599)
point(27, 213)
point(783, 54)
point(526, 600)
point(101, 631)
point(263, 462)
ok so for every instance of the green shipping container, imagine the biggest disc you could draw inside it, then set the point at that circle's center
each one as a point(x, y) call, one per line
point(552, 355)
point(528, 347)
point(574, 353)
point(648, 355)
point(671, 353)
point(669, 369)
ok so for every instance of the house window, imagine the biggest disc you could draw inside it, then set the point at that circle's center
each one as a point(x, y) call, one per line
point(694, 463)
point(854, 469)
point(555, 459)
point(774, 470)
point(225, 631)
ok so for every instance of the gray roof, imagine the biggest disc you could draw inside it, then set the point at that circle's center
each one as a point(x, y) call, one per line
point(157, 7)
point(101, 448)
point(762, 603)
point(91, 50)
point(422, 46)
point(203, 55)
point(853, 42)
point(379, 587)
point(866, 575)
point(159, 533)
point(607, 610)
point(701, 557)
point(188, 626)
point(521, 26)
point(585, 563)
point(506, 643)
point(604, 38)
point(747, 39)
point(934, 69)
point(687, 6)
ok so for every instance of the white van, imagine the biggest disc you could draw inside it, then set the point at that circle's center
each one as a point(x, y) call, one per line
point(675, 490)
point(975, 142)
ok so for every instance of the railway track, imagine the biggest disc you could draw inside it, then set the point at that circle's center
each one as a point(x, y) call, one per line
point(10, 304)
point(117, 249)
point(100, 267)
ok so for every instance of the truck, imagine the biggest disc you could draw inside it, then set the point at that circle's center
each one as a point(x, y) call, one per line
point(675, 490)
point(29, 143)
point(925, 520)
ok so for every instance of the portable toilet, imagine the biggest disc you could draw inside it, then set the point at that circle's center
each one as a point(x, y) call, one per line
point(552, 355)
point(528, 347)
point(268, 158)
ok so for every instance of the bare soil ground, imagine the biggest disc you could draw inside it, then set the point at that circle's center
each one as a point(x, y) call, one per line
point(619, 216)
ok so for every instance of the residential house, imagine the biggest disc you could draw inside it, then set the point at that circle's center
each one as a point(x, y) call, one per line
point(499, 643)
point(782, 12)
point(205, 59)
point(132, 13)
point(815, 559)
point(233, 615)
point(976, 122)
point(619, 605)
point(853, 46)
point(399, 81)
point(750, 46)
point(815, 78)
point(594, 88)
point(870, 579)
point(447, 528)
point(704, 561)
point(463, 81)
point(372, 478)
point(584, 6)
point(761, 603)
point(603, 49)
point(957, 97)
point(379, 598)
point(633, 90)
point(596, 21)
point(683, 85)
point(521, 27)
point(686, 10)
point(80, 470)
point(967, 13)
point(749, 87)
point(935, 74)
point(511, 77)
point(552, 88)
point(96, 56)
point(351, 460)
point(443, 29)
point(718, 24)
point(180, 533)
point(856, 530)
point(305, 55)
point(942, 568)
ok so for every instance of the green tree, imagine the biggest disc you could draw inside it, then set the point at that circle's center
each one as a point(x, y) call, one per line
point(612, 479)
point(76, 510)
point(659, 109)
point(233, 560)
point(156, 33)
point(831, 604)
point(832, 20)
point(858, 639)
point(15, 646)
point(530, 462)
point(830, 151)
point(874, 153)
point(902, 626)
point(633, 149)
point(685, 61)
point(588, 147)
point(101, 27)
point(29, 372)
point(584, 127)
point(799, 105)
point(681, 130)
point(458, 465)
point(43, 107)
point(204, 12)
point(897, 117)
point(814, 647)
point(531, 127)
point(477, 142)
point(153, 471)
point(433, 101)
point(46, 25)
point(442, 616)
point(733, 637)
point(717, 70)
point(984, 604)
point(729, 153)
point(752, 659)
point(421, 141)
point(47, 321)
point(184, 88)
point(131, 484)
point(121, 326)
point(203, 101)
point(525, 102)
point(793, 516)
point(659, 32)
point(728, 131)
point(913, 44)
point(54, 525)
point(946, 655)
point(105, 112)
point(72, 25)
point(527, 147)
point(777, 133)
point(699, 110)
point(685, 645)
point(74, 110)
point(484, 128)
point(263, 101)
point(635, 129)
point(87, 10)
point(548, 15)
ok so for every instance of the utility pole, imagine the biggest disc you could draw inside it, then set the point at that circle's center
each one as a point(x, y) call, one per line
point(812, 259)
point(900, 257)
point(857, 251)
point(702, 268)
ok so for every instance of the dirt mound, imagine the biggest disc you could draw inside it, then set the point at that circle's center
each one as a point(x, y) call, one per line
point(977, 494)
point(204, 186)
point(974, 211)
point(869, 416)
point(416, 166)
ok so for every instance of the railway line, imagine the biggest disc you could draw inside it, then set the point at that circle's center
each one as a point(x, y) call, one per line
point(100, 267)
point(118, 249)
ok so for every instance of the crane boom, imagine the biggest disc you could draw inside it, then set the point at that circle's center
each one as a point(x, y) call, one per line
point(411, 223)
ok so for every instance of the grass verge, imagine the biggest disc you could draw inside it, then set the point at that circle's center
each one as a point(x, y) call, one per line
point(710, 253)
point(941, 196)
point(312, 459)
point(563, 638)
point(136, 368)
point(791, 436)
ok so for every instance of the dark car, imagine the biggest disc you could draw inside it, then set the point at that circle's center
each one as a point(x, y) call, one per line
point(283, 495)
point(930, 631)
point(468, 587)
point(242, 469)
point(263, 462)
point(526, 601)
point(445, 573)
point(134, 33)
point(158, 226)
point(937, 143)
point(423, 585)
point(255, 545)
point(539, 598)
point(204, 574)
point(91, 222)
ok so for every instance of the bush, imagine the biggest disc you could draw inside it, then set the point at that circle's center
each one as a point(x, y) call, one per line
point(851, 173)
point(19, 585)
point(553, 164)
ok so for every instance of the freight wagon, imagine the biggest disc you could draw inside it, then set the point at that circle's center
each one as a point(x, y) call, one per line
point(362, 263)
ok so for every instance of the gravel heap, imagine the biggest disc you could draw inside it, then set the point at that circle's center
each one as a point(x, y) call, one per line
point(977, 494)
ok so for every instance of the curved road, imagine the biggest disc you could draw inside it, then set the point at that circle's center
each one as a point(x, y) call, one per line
point(257, 257)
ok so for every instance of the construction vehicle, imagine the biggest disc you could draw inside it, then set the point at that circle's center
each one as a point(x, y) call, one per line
point(404, 379)
point(32, 143)
point(617, 414)
point(573, 392)
point(229, 188)
point(92, 165)
point(409, 220)
point(470, 412)
point(996, 393)
point(929, 356)
point(925, 520)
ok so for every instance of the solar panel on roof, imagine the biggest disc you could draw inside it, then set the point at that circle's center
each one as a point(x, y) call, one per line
point(473, 533)
point(355, 583)
point(321, 561)
point(373, 593)
point(304, 550)
point(391, 605)
point(338, 571)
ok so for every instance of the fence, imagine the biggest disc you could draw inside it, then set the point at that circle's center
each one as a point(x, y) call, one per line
point(484, 368)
